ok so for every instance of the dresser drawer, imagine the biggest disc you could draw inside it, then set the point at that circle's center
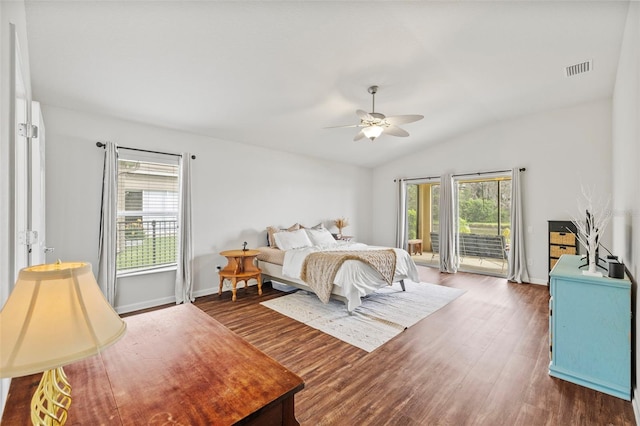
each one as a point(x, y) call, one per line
point(562, 238)
point(557, 251)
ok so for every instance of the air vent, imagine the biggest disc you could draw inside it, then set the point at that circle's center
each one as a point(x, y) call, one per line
point(580, 68)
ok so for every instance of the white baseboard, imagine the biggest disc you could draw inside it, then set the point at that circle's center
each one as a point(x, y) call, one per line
point(170, 299)
point(145, 304)
point(538, 281)
point(206, 292)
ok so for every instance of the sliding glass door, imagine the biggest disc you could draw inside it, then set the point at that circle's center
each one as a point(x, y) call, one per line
point(482, 222)
point(484, 228)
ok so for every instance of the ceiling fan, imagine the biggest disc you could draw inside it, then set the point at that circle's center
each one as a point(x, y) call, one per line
point(373, 124)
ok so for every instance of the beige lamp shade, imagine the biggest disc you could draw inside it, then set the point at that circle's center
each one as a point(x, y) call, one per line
point(55, 315)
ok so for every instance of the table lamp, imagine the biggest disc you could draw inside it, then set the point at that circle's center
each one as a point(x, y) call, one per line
point(55, 315)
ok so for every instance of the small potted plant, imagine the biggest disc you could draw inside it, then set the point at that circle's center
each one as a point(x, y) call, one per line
point(341, 223)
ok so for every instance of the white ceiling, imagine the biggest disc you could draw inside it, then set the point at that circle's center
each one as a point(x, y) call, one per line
point(276, 73)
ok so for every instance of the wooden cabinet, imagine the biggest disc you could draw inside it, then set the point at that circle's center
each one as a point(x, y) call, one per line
point(562, 240)
point(590, 329)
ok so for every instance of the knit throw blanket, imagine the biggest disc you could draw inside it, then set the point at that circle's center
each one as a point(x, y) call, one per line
point(319, 269)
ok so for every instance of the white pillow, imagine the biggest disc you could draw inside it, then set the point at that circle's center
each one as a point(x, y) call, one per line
point(292, 239)
point(273, 229)
point(321, 237)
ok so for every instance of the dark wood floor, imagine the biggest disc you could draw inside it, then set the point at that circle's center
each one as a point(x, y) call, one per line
point(481, 360)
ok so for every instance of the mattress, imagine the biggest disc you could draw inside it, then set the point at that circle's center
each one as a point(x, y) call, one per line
point(353, 280)
point(271, 255)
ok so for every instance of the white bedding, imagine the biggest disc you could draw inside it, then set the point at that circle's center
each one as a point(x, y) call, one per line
point(355, 279)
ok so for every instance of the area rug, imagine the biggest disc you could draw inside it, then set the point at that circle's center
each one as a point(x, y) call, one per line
point(382, 315)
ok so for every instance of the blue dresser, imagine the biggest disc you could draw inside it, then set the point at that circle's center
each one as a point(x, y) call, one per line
point(590, 329)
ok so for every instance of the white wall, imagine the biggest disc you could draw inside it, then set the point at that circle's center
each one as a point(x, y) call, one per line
point(561, 150)
point(12, 18)
point(238, 190)
point(625, 160)
point(626, 138)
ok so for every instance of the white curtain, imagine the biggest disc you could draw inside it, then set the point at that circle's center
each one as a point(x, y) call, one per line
point(401, 230)
point(184, 284)
point(517, 260)
point(107, 246)
point(448, 234)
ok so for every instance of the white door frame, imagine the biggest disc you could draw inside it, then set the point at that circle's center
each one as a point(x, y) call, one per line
point(37, 222)
point(16, 146)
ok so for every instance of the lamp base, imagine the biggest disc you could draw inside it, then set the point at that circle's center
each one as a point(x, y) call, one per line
point(52, 399)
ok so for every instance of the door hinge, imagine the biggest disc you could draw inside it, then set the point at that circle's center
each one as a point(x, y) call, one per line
point(28, 238)
point(28, 131)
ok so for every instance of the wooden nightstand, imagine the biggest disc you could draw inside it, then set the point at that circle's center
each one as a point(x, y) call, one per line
point(240, 267)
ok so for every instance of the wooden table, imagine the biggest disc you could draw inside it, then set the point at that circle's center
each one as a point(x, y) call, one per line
point(240, 267)
point(174, 366)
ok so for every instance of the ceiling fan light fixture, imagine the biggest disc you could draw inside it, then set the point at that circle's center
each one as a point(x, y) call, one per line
point(373, 124)
point(372, 132)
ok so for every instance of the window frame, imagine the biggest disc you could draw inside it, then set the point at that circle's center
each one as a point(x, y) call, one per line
point(122, 214)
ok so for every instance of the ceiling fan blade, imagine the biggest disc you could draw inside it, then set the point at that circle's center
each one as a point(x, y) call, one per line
point(364, 115)
point(339, 127)
point(359, 136)
point(395, 131)
point(404, 119)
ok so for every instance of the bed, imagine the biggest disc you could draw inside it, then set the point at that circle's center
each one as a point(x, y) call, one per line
point(286, 261)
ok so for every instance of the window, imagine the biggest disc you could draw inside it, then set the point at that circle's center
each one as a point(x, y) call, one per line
point(412, 211)
point(423, 209)
point(147, 220)
point(484, 206)
point(422, 217)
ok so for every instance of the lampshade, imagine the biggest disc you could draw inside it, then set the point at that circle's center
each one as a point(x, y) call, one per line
point(372, 132)
point(55, 315)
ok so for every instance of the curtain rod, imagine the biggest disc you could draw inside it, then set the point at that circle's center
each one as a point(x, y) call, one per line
point(522, 169)
point(420, 178)
point(102, 145)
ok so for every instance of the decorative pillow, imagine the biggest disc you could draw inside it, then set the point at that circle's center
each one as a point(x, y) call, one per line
point(292, 240)
point(321, 237)
point(318, 226)
point(272, 230)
